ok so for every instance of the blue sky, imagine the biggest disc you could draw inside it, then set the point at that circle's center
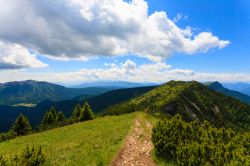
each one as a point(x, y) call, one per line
point(228, 19)
point(222, 54)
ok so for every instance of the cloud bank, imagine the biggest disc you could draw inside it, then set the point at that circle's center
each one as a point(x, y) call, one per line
point(127, 71)
point(81, 29)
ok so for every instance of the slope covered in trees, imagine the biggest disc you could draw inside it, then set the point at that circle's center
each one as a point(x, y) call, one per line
point(30, 91)
point(193, 100)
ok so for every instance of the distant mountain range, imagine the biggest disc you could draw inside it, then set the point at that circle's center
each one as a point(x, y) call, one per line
point(113, 84)
point(193, 100)
point(98, 103)
point(240, 87)
point(30, 91)
point(219, 88)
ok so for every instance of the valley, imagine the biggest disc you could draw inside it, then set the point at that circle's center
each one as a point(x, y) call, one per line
point(126, 124)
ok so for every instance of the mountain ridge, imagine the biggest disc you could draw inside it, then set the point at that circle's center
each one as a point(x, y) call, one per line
point(220, 88)
point(241, 87)
point(193, 100)
point(115, 84)
point(31, 91)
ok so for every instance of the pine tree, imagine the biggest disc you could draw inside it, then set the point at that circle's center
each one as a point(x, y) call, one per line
point(60, 117)
point(87, 113)
point(76, 114)
point(53, 112)
point(48, 119)
point(21, 125)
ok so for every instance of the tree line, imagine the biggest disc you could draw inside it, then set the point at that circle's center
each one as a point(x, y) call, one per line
point(51, 119)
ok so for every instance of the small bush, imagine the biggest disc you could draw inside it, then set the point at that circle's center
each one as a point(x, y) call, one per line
point(6, 136)
point(3, 162)
point(29, 157)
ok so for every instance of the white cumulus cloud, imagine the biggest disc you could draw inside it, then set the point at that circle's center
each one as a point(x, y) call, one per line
point(15, 56)
point(80, 29)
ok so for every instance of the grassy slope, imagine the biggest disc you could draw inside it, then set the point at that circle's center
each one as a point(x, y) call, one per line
point(88, 143)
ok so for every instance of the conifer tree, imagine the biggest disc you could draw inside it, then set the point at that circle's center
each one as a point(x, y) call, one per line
point(86, 113)
point(60, 117)
point(53, 112)
point(21, 125)
point(48, 119)
point(76, 114)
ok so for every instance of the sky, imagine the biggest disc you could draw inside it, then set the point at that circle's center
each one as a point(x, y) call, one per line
point(75, 41)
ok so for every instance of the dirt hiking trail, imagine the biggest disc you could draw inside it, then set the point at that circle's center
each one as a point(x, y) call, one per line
point(137, 149)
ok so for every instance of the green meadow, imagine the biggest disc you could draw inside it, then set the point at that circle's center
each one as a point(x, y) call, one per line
point(89, 143)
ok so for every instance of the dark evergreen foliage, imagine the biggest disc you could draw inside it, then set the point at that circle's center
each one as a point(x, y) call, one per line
point(53, 112)
point(60, 117)
point(86, 113)
point(6, 136)
point(194, 144)
point(52, 119)
point(48, 119)
point(21, 125)
point(122, 108)
point(76, 113)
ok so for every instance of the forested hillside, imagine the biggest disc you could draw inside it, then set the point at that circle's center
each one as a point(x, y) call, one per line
point(193, 100)
point(30, 91)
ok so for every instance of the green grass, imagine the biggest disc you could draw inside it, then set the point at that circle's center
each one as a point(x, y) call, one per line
point(89, 143)
point(24, 105)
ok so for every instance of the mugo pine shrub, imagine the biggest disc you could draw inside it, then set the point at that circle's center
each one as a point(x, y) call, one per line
point(197, 144)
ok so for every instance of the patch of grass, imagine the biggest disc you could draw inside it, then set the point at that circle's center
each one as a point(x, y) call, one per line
point(24, 105)
point(89, 143)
